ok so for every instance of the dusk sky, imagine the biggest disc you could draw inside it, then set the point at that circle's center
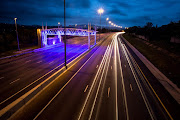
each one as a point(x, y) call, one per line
point(121, 12)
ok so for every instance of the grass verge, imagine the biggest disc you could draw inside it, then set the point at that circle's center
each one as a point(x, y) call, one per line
point(168, 65)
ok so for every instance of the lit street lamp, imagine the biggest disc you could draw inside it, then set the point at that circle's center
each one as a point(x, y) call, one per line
point(16, 32)
point(100, 11)
point(58, 24)
point(107, 21)
point(65, 34)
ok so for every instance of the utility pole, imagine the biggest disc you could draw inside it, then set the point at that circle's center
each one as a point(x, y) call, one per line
point(100, 28)
point(65, 34)
point(17, 33)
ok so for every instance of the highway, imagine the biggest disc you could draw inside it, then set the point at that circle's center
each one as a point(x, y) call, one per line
point(20, 74)
point(108, 83)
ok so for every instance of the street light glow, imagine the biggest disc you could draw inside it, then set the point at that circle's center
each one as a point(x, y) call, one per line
point(107, 19)
point(109, 22)
point(100, 11)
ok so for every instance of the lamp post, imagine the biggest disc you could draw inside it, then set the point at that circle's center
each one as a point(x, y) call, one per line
point(58, 24)
point(16, 32)
point(100, 11)
point(109, 25)
point(65, 34)
point(107, 21)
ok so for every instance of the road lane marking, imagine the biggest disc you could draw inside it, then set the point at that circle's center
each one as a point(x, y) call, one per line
point(97, 66)
point(123, 85)
point(64, 85)
point(15, 81)
point(156, 94)
point(51, 62)
point(108, 91)
point(104, 73)
point(86, 88)
point(94, 81)
point(131, 87)
point(39, 61)
point(37, 80)
point(151, 113)
point(151, 88)
point(28, 61)
point(111, 67)
point(1, 78)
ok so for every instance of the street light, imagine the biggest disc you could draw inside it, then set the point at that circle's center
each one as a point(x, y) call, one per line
point(100, 11)
point(16, 32)
point(65, 34)
point(107, 21)
point(58, 24)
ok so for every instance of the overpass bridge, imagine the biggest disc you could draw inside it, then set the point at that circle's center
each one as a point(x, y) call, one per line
point(43, 33)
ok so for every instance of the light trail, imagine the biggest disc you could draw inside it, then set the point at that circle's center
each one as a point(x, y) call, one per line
point(139, 85)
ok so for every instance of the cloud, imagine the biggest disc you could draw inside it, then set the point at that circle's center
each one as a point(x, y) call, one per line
point(83, 11)
point(117, 12)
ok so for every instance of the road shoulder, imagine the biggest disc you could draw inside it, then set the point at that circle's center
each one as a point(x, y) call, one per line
point(168, 85)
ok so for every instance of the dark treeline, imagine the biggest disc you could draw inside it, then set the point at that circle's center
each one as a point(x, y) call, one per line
point(8, 39)
point(27, 35)
point(154, 33)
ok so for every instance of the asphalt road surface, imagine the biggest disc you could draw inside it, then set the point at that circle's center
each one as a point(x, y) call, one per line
point(109, 83)
point(19, 75)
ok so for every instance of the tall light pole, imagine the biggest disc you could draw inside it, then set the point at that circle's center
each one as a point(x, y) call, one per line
point(107, 21)
point(59, 24)
point(100, 11)
point(109, 24)
point(65, 34)
point(16, 32)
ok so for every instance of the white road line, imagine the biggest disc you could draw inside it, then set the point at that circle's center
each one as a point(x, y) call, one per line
point(1, 78)
point(131, 87)
point(39, 61)
point(140, 87)
point(111, 67)
point(94, 81)
point(15, 81)
point(28, 61)
point(97, 66)
point(86, 88)
point(35, 81)
point(124, 90)
point(104, 73)
point(108, 91)
point(51, 62)
point(63, 86)
point(115, 74)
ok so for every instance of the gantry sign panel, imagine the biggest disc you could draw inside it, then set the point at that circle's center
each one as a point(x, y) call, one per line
point(42, 34)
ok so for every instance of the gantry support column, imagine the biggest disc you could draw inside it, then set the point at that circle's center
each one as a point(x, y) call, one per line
point(88, 36)
point(95, 37)
point(59, 36)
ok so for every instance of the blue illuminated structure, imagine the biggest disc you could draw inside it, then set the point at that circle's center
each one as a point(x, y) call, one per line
point(69, 31)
